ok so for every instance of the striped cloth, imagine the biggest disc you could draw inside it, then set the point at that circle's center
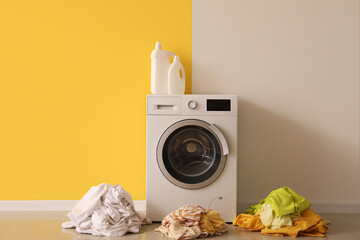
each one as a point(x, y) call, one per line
point(191, 221)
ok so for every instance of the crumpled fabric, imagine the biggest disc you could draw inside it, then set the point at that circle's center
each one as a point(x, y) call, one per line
point(255, 209)
point(106, 210)
point(308, 224)
point(284, 201)
point(270, 220)
point(192, 221)
point(211, 223)
point(283, 213)
point(249, 222)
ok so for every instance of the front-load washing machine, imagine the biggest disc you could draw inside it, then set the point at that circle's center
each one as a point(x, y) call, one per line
point(191, 156)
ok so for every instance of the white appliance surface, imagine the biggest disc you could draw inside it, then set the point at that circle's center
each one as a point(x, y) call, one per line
point(191, 164)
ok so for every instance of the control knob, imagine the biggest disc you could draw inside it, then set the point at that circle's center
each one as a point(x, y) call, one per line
point(192, 104)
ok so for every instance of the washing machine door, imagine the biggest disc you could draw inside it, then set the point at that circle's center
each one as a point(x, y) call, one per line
point(192, 153)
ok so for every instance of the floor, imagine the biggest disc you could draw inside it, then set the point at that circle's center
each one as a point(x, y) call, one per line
point(47, 225)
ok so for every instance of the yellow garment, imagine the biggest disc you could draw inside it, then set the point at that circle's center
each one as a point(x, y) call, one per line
point(249, 222)
point(309, 224)
point(270, 220)
point(211, 222)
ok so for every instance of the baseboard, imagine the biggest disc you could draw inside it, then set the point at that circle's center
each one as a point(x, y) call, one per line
point(318, 207)
point(335, 208)
point(51, 205)
point(140, 205)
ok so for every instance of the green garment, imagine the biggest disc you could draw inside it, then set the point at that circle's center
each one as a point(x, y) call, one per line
point(254, 209)
point(284, 201)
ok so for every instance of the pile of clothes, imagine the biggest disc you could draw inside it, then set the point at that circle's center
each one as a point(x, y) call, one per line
point(106, 210)
point(192, 221)
point(283, 213)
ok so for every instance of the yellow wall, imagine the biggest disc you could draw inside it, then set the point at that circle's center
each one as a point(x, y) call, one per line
point(73, 82)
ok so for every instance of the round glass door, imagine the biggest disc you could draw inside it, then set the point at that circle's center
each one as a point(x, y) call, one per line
point(190, 154)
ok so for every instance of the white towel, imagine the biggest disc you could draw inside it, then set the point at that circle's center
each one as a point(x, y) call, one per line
point(106, 210)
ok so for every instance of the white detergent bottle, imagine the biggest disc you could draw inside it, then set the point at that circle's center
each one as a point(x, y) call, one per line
point(176, 77)
point(160, 63)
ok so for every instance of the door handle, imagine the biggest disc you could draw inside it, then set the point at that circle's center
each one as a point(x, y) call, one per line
point(221, 137)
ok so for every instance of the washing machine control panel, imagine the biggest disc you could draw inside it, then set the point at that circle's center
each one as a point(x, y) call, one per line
point(208, 105)
point(192, 104)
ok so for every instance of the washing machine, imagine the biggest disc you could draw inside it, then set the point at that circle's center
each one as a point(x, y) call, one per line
point(191, 156)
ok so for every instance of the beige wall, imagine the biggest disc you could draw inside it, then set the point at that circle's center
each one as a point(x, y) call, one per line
point(295, 68)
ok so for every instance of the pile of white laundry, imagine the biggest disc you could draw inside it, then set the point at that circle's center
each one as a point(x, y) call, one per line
point(106, 210)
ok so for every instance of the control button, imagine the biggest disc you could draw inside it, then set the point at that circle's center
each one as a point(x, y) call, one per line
point(192, 104)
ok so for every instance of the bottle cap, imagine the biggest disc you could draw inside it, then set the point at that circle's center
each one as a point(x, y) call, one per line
point(157, 45)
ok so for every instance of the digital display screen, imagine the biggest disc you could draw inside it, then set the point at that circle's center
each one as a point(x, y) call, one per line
point(218, 105)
